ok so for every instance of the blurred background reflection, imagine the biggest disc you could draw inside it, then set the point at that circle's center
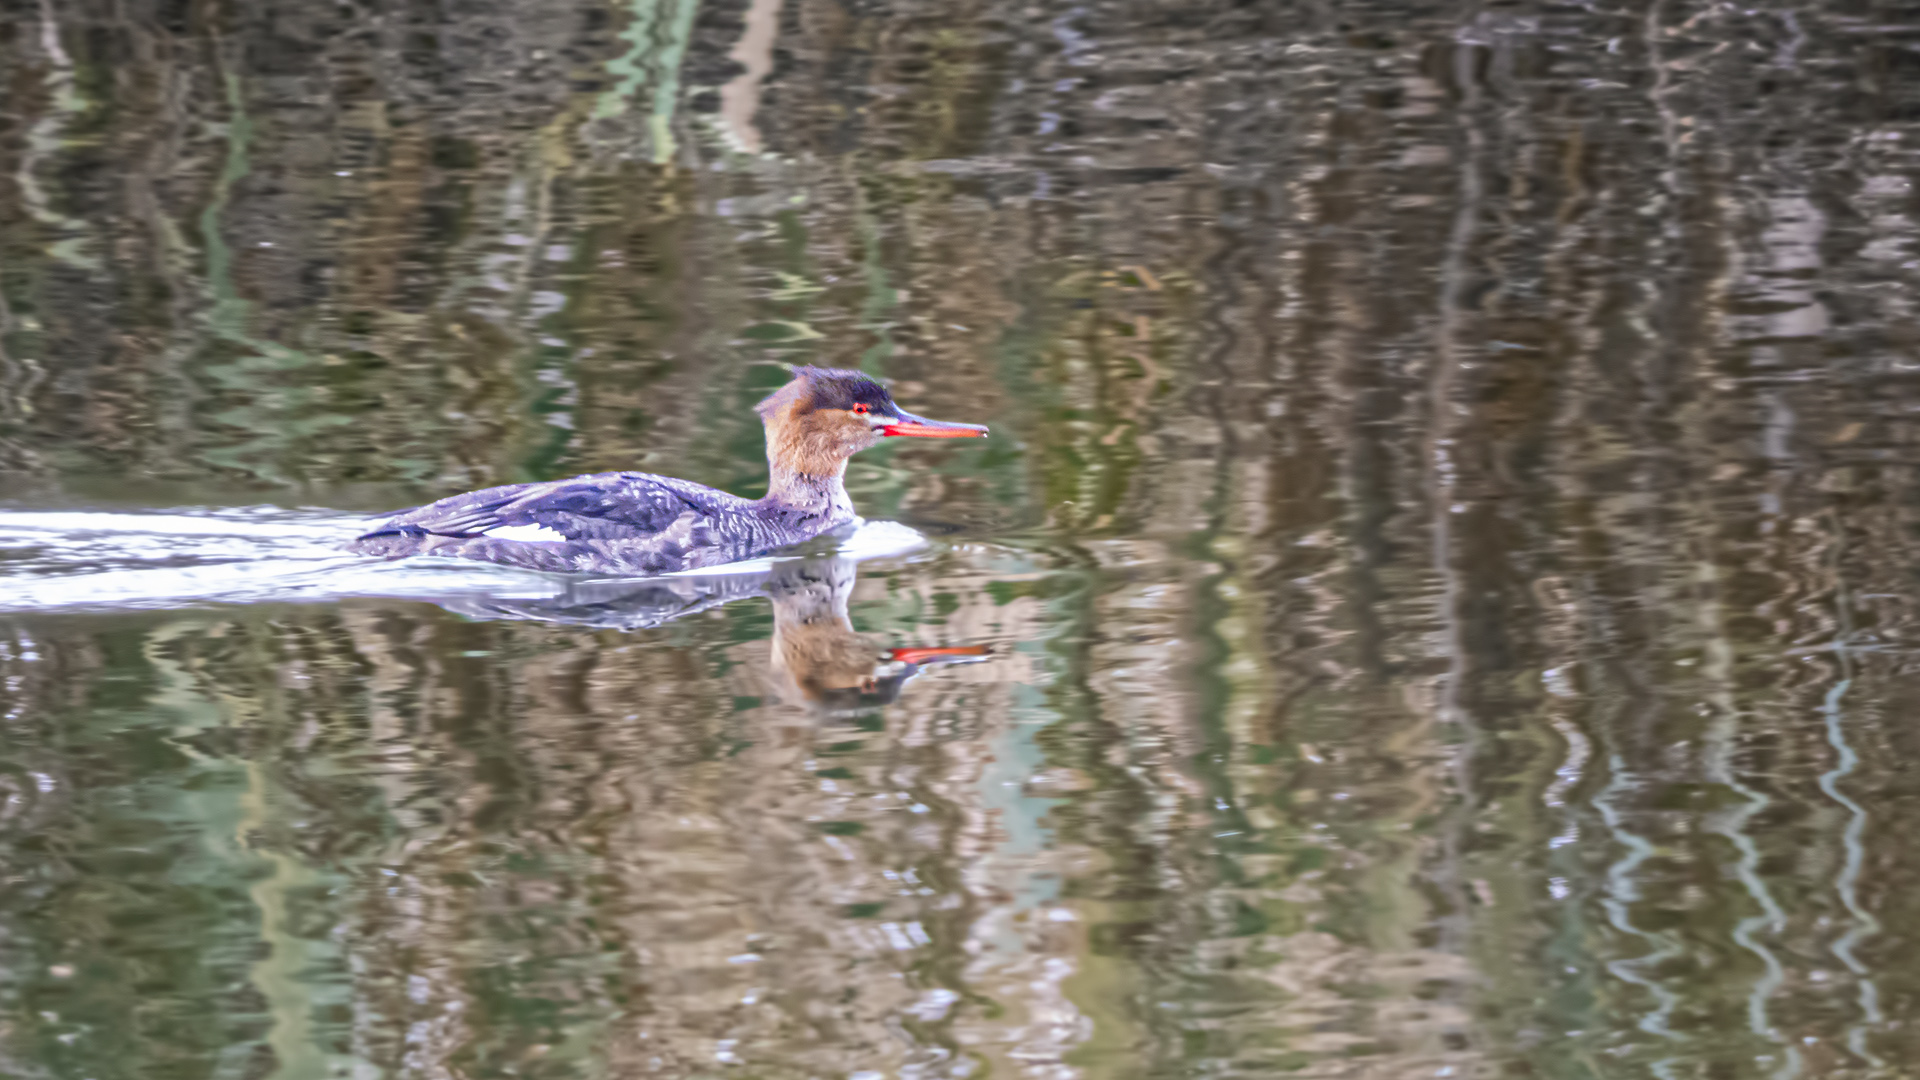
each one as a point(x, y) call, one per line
point(1440, 598)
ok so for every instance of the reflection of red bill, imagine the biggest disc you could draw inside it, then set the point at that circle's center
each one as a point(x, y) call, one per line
point(921, 656)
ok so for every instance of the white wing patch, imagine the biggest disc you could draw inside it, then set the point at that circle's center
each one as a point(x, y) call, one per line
point(525, 532)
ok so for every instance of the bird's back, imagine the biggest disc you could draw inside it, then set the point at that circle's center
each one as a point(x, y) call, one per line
point(619, 522)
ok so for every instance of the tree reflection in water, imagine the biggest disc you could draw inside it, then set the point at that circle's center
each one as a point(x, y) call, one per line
point(1449, 567)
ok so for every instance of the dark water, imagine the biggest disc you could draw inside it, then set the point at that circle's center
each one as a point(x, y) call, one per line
point(1446, 560)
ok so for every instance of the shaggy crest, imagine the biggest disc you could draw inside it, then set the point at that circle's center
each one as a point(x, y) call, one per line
point(827, 388)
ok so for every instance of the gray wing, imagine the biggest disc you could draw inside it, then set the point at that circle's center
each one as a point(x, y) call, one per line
point(601, 506)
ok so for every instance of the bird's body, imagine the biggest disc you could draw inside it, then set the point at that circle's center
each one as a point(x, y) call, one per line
point(605, 523)
point(631, 523)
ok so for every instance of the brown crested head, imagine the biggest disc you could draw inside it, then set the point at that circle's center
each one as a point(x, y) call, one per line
point(827, 415)
point(821, 418)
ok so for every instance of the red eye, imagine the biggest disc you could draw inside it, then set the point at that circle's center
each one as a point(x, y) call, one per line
point(862, 409)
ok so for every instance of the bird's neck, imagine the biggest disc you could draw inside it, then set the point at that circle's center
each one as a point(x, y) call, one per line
point(810, 493)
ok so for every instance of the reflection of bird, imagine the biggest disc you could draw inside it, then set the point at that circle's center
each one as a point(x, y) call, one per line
point(630, 604)
point(637, 523)
point(820, 659)
point(819, 662)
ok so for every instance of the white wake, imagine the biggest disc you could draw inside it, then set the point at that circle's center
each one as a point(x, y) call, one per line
point(251, 555)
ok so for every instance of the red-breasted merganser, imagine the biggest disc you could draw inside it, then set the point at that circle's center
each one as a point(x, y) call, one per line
point(637, 523)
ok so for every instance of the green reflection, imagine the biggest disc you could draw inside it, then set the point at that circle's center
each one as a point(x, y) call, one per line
point(1446, 542)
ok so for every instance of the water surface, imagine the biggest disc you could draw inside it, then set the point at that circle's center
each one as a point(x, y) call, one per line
point(1439, 600)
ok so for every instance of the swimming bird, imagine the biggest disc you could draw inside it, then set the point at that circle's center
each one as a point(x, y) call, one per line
point(630, 523)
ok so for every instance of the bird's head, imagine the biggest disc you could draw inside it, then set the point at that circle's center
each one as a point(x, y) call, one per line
point(827, 415)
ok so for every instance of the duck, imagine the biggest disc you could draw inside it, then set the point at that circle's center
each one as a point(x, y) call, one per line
point(634, 524)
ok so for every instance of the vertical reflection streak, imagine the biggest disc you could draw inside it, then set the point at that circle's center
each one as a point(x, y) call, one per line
point(1442, 468)
point(1442, 481)
point(1722, 735)
point(44, 141)
point(1722, 739)
point(740, 97)
point(658, 33)
point(1571, 769)
point(283, 975)
point(666, 90)
point(1847, 884)
point(553, 396)
point(270, 414)
point(18, 378)
point(1854, 854)
point(1622, 891)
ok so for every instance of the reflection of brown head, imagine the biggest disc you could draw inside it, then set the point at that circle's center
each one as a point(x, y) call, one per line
point(819, 661)
point(827, 415)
